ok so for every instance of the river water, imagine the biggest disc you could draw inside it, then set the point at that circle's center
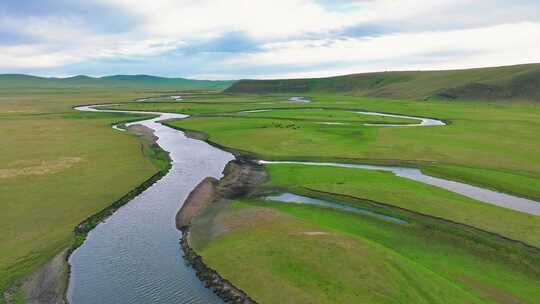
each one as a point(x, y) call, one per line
point(300, 199)
point(422, 121)
point(135, 256)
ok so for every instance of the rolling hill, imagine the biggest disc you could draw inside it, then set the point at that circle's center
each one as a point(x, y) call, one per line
point(519, 82)
point(117, 81)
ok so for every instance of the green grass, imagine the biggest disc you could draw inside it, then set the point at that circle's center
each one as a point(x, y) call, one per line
point(202, 107)
point(58, 167)
point(478, 146)
point(359, 259)
point(519, 82)
point(490, 144)
point(396, 191)
point(327, 115)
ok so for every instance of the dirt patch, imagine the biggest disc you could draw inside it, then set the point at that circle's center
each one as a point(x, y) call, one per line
point(493, 293)
point(48, 285)
point(45, 286)
point(244, 219)
point(199, 199)
point(144, 131)
point(38, 167)
point(241, 178)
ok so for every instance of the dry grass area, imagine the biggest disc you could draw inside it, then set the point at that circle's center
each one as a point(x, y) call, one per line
point(38, 167)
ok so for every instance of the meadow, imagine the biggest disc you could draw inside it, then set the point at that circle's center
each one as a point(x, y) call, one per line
point(388, 189)
point(289, 253)
point(490, 144)
point(454, 249)
point(58, 167)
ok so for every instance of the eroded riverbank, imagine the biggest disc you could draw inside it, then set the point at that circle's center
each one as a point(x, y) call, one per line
point(241, 178)
point(134, 255)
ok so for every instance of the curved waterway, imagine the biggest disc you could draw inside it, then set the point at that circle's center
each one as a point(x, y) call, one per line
point(484, 195)
point(296, 99)
point(422, 121)
point(300, 199)
point(135, 256)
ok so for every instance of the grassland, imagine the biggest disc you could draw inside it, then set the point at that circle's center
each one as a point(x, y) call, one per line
point(392, 190)
point(309, 254)
point(318, 255)
point(58, 167)
point(479, 145)
point(519, 82)
point(287, 253)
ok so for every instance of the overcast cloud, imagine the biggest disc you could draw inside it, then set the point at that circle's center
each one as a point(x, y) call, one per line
point(263, 39)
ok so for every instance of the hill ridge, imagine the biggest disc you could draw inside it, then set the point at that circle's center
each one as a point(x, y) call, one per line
point(138, 80)
point(492, 83)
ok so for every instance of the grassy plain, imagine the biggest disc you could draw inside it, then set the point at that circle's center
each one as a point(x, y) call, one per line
point(317, 255)
point(491, 144)
point(58, 167)
point(411, 195)
point(288, 253)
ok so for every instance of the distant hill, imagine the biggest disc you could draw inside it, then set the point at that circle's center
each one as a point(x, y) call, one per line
point(116, 81)
point(508, 82)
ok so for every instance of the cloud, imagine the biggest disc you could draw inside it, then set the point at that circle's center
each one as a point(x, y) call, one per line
point(502, 44)
point(263, 38)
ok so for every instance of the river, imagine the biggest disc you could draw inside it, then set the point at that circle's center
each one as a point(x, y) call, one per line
point(135, 256)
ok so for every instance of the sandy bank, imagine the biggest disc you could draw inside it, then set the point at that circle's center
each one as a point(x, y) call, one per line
point(199, 198)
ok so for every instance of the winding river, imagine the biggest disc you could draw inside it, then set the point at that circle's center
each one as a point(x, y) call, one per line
point(422, 121)
point(135, 257)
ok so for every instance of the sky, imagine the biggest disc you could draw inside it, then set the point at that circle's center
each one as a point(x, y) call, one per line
point(260, 39)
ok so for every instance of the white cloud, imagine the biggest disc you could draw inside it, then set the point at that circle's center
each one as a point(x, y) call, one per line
point(299, 34)
point(502, 44)
point(261, 19)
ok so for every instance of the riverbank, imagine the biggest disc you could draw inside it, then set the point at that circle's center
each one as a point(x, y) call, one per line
point(143, 228)
point(241, 179)
point(47, 285)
